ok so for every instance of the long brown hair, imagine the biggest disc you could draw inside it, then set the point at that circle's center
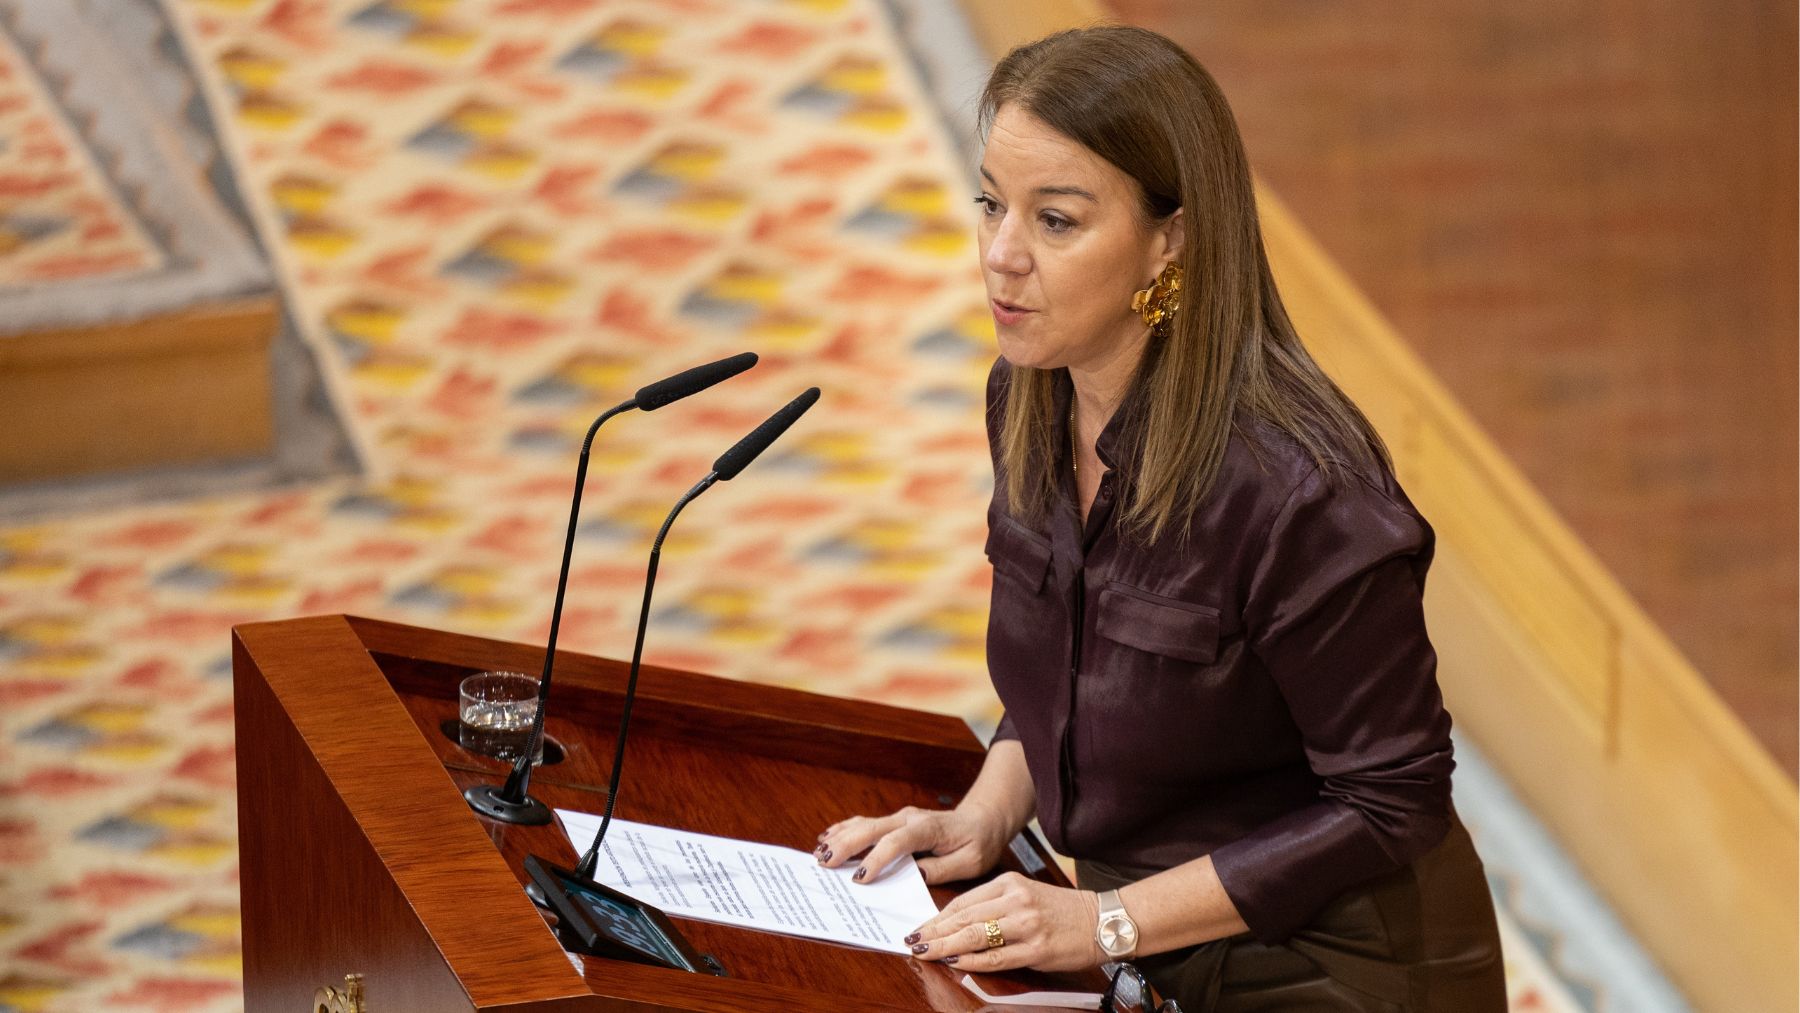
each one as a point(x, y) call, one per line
point(1142, 103)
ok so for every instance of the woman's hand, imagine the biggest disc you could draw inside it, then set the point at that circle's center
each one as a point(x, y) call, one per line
point(959, 843)
point(1050, 928)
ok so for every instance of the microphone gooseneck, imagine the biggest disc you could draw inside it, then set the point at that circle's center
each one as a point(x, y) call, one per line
point(592, 858)
point(512, 802)
point(741, 454)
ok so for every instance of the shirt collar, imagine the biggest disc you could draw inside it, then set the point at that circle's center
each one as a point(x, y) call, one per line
point(1110, 444)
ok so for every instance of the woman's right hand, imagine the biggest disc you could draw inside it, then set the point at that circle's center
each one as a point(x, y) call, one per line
point(959, 843)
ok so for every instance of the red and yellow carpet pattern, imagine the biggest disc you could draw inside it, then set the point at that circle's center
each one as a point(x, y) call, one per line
point(59, 219)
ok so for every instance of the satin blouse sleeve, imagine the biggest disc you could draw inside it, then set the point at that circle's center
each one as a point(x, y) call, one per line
point(1004, 732)
point(1334, 611)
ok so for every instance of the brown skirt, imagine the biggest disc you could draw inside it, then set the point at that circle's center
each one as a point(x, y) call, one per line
point(1420, 938)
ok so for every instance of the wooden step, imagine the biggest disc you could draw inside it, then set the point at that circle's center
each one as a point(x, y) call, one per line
point(181, 388)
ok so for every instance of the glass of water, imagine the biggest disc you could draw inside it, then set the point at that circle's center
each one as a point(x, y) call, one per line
point(495, 714)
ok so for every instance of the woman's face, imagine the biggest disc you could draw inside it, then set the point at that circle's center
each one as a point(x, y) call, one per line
point(1063, 248)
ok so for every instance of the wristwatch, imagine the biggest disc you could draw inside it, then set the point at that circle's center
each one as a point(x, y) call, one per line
point(1116, 933)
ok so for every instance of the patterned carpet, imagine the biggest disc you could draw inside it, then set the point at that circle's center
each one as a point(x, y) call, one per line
point(494, 218)
point(60, 219)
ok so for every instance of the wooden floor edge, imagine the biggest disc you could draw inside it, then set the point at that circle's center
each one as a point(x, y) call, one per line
point(1673, 669)
point(1650, 677)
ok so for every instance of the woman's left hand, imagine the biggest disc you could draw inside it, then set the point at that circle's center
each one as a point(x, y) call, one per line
point(1050, 928)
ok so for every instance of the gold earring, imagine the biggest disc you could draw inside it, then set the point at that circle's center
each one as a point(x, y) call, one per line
point(1158, 303)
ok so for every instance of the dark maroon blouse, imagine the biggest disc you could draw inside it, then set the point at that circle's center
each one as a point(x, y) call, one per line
point(1266, 694)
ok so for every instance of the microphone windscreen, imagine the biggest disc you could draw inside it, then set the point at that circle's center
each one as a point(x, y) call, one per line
point(692, 381)
point(733, 461)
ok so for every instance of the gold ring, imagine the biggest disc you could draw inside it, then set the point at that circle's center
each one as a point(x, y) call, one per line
point(994, 939)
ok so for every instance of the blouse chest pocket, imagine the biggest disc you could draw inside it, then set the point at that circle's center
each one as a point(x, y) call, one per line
point(1158, 624)
point(1018, 553)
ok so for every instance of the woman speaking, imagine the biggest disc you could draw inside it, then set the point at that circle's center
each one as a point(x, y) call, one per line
point(1206, 625)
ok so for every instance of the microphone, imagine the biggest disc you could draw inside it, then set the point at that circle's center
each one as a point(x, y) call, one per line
point(724, 469)
point(746, 450)
point(692, 381)
point(513, 803)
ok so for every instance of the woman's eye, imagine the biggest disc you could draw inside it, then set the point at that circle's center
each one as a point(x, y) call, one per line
point(987, 204)
point(1058, 224)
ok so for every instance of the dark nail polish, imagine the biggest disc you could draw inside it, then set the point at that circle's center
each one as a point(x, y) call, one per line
point(921, 947)
point(909, 940)
point(820, 850)
point(950, 960)
point(825, 855)
point(861, 874)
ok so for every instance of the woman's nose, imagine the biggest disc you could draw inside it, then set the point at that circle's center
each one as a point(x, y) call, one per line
point(1006, 254)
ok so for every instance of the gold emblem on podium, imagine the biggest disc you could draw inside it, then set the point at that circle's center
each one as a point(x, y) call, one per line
point(345, 998)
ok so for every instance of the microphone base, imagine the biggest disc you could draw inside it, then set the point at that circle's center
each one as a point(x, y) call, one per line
point(487, 800)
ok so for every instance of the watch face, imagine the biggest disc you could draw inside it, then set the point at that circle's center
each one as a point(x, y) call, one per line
point(1118, 936)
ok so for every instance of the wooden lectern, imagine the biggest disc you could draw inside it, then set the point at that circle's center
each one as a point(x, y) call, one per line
point(359, 856)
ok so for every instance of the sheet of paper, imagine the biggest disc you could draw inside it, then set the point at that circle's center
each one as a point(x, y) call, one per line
point(755, 886)
point(1066, 1000)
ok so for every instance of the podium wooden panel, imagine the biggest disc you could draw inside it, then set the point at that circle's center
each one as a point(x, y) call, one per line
point(360, 857)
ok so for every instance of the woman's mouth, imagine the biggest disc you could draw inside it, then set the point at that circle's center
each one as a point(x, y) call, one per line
point(1007, 313)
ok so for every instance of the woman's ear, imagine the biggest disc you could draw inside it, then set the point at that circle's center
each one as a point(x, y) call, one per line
point(1173, 232)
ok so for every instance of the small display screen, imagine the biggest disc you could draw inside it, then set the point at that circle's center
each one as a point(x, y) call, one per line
point(623, 923)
